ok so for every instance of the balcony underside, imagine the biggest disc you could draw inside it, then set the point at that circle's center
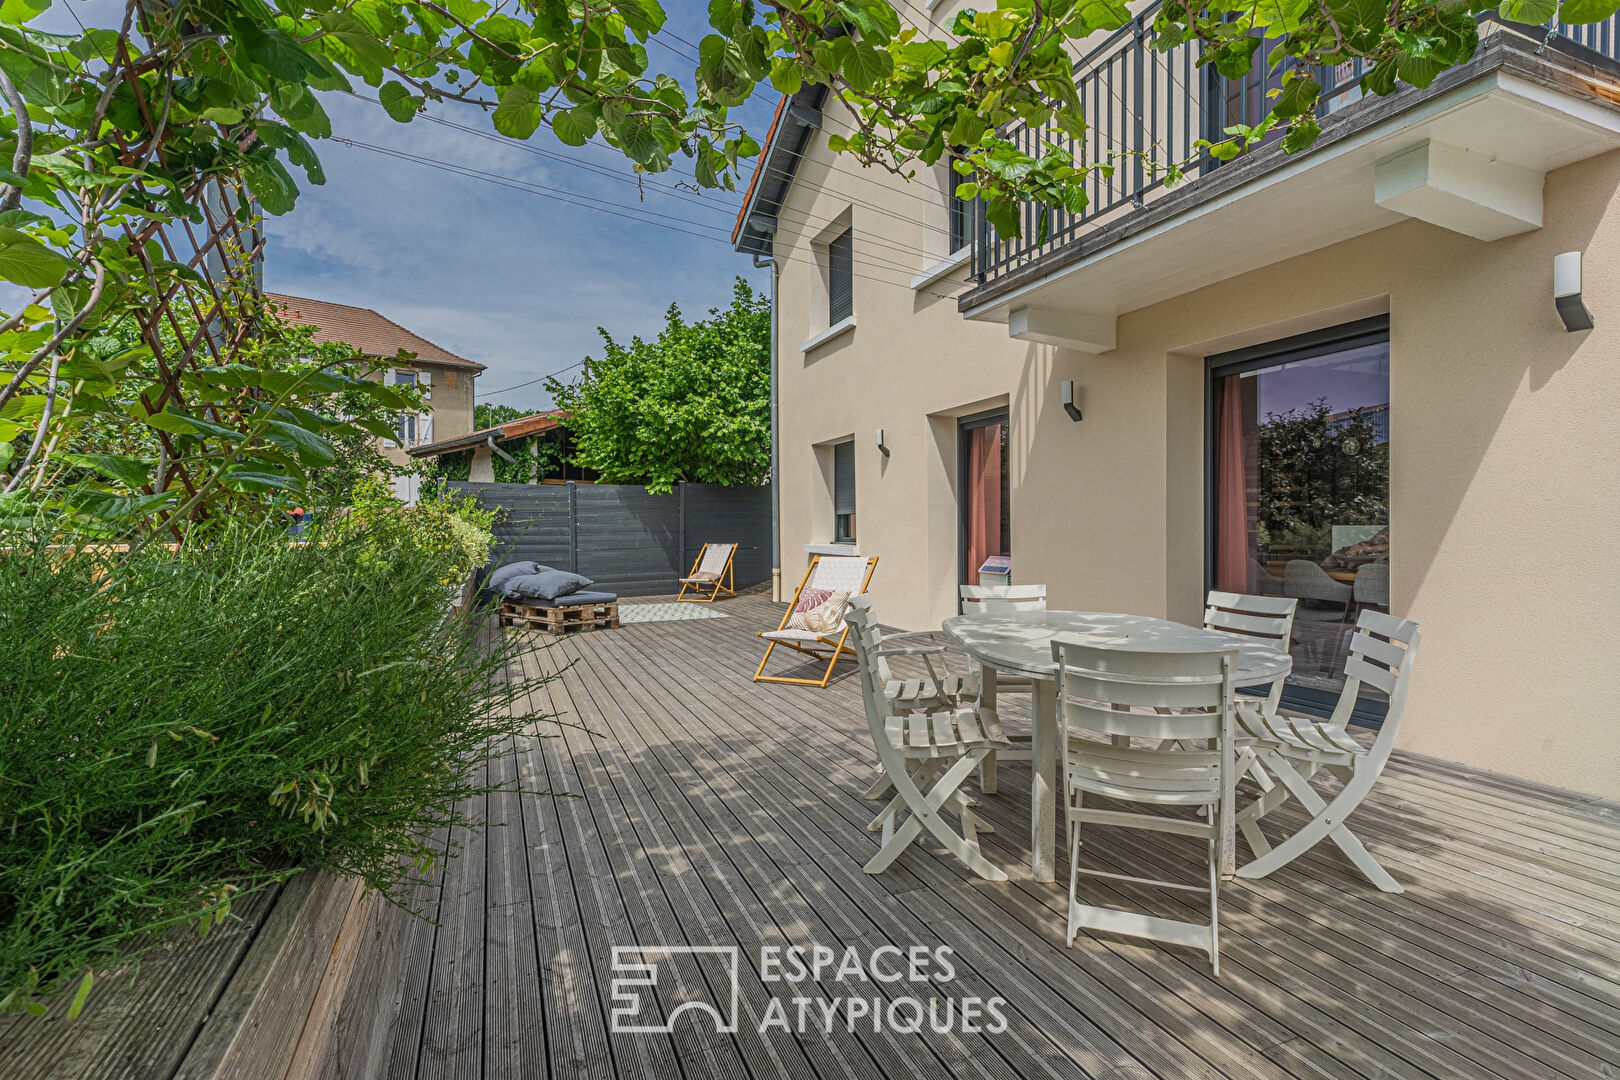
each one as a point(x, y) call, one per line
point(1468, 153)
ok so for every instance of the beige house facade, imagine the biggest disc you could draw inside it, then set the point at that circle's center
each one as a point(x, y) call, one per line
point(403, 358)
point(1340, 375)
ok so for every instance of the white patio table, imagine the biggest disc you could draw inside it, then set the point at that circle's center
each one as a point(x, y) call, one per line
point(1021, 643)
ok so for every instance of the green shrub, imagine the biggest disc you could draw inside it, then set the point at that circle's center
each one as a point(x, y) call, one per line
point(176, 729)
point(446, 523)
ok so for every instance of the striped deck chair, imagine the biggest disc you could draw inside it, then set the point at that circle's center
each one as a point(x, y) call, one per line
point(711, 571)
point(827, 576)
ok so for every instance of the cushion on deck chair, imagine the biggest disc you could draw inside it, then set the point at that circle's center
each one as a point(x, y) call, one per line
point(546, 585)
point(584, 597)
point(501, 575)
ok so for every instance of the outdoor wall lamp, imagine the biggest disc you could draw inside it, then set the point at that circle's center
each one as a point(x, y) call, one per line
point(1068, 400)
point(880, 443)
point(1567, 292)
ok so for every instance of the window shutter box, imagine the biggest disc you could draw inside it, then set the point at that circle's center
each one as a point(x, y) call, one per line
point(844, 478)
point(841, 278)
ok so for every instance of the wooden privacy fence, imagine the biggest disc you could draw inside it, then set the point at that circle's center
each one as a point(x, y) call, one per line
point(624, 539)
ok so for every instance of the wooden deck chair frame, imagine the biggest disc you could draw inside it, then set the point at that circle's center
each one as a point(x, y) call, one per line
point(726, 582)
point(830, 649)
point(1381, 654)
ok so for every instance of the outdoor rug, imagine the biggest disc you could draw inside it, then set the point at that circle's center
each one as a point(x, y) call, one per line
point(666, 611)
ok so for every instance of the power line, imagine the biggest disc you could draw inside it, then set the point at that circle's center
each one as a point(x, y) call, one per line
point(531, 382)
point(616, 210)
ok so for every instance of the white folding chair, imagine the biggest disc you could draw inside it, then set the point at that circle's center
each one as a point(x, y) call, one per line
point(1295, 748)
point(1107, 696)
point(1002, 600)
point(712, 573)
point(926, 755)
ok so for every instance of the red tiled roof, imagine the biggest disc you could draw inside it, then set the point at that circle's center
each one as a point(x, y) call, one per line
point(365, 329)
point(533, 424)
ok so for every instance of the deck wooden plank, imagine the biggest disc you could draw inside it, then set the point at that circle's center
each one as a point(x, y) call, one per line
point(604, 918)
point(514, 1024)
point(452, 1027)
point(575, 1025)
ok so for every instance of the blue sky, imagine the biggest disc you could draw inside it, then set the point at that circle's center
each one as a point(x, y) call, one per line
point(514, 279)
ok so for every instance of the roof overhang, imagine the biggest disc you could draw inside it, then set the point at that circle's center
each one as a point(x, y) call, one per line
point(798, 116)
point(1468, 153)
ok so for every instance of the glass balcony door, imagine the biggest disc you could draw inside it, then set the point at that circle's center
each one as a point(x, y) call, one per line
point(1299, 488)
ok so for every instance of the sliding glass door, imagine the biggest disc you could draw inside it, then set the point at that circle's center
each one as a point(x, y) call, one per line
point(986, 508)
point(1299, 488)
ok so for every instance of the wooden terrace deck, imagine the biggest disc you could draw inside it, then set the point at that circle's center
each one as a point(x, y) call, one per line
point(710, 810)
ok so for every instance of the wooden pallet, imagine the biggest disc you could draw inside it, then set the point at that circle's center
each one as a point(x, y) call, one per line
point(561, 620)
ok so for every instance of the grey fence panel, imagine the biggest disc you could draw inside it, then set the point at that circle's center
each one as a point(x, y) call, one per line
point(624, 539)
point(534, 524)
point(716, 514)
point(629, 540)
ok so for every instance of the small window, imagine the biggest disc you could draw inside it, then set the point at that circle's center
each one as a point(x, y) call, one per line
point(407, 421)
point(844, 493)
point(961, 215)
point(841, 278)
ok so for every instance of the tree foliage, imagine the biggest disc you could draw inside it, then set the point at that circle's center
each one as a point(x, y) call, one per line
point(290, 419)
point(693, 404)
point(487, 415)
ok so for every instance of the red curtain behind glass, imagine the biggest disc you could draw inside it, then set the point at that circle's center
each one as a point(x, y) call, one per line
point(1237, 481)
point(983, 498)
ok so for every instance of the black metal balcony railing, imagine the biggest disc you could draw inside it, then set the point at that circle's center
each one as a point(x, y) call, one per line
point(1147, 108)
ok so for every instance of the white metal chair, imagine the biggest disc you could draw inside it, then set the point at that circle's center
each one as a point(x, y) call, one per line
point(925, 754)
point(1381, 654)
point(1002, 600)
point(712, 573)
point(1106, 696)
point(829, 575)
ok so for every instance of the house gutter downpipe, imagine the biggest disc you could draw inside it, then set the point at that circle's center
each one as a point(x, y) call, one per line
point(760, 262)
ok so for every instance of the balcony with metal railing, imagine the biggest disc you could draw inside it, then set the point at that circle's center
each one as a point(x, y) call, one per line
point(1531, 99)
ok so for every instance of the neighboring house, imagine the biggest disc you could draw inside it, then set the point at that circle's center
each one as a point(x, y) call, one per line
point(528, 450)
point(448, 378)
point(1125, 406)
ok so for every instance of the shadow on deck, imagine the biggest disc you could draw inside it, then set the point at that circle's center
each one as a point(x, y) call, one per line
point(706, 810)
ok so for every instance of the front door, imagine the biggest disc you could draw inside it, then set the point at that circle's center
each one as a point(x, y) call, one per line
point(986, 528)
point(1299, 489)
